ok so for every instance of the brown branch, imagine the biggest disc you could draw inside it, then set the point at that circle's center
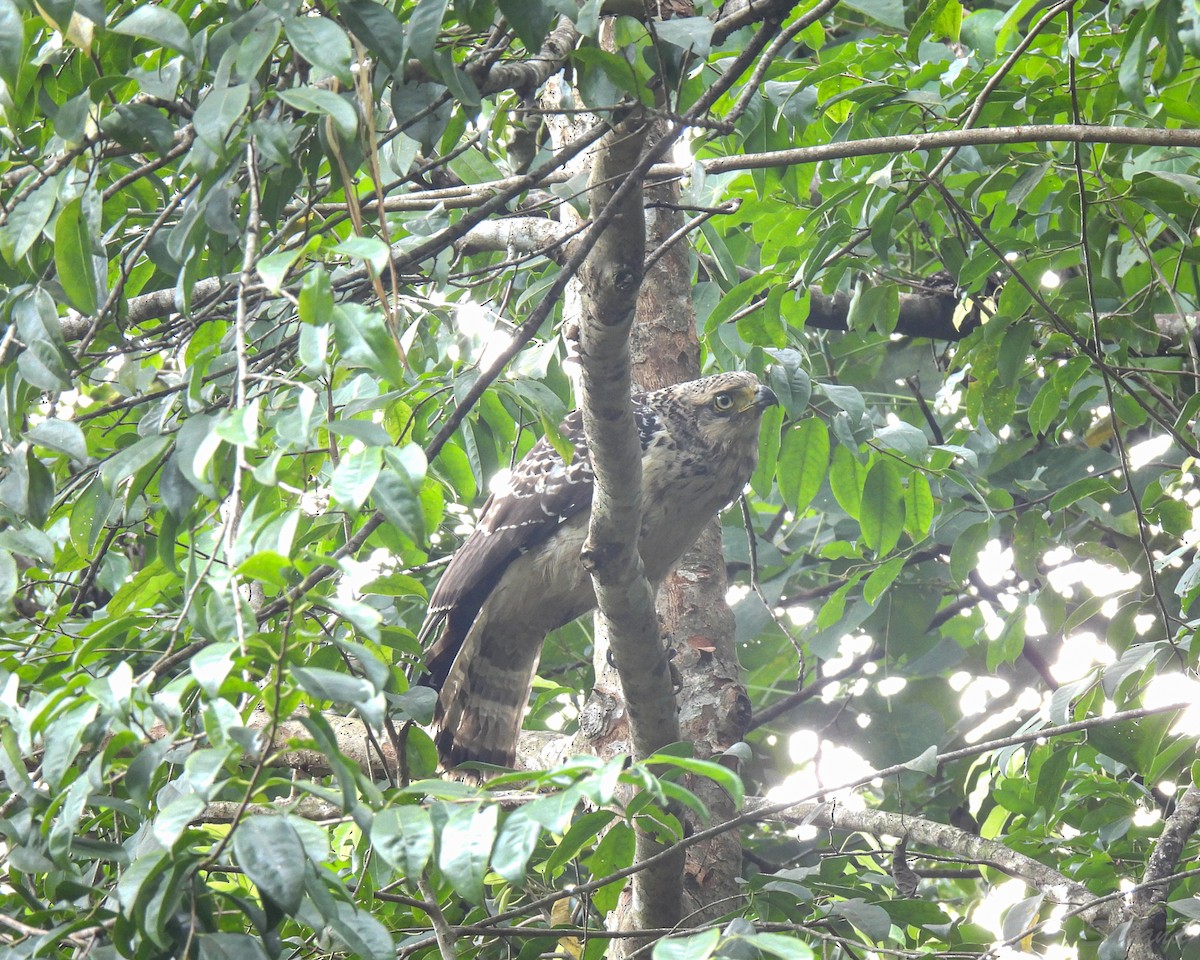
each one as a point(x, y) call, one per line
point(611, 279)
point(944, 139)
point(1055, 885)
point(525, 76)
point(494, 195)
point(748, 12)
point(793, 700)
point(1148, 907)
point(1103, 913)
point(921, 315)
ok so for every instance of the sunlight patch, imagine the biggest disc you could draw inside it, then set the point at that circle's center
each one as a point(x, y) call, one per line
point(995, 563)
point(822, 765)
point(1176, 688)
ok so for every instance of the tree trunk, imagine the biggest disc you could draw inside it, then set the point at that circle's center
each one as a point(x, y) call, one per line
point(694, 619)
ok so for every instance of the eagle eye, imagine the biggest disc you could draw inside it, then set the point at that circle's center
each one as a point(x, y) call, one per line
point(722, 402)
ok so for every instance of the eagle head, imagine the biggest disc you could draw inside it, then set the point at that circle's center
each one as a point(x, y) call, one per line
point(724, 410)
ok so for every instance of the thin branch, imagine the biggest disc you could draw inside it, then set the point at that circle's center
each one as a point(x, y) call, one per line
point(495, 194)
point(793, 700)
point(1103, 913)
point(446, 937)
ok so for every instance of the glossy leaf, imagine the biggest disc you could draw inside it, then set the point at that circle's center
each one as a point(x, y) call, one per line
point(882, 516)
point(73, 257)
point(464, 846)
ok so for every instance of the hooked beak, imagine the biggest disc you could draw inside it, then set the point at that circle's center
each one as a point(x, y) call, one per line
point(764, 397)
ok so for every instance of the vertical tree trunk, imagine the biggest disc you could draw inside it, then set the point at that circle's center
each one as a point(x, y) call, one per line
point(694, 618)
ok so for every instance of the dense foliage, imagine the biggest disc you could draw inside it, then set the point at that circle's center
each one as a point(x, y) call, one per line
point(244, 413)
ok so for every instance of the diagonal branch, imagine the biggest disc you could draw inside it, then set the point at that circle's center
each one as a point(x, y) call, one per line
point(1148, 904)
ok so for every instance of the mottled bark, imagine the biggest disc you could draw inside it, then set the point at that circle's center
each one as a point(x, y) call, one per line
point(610, 281)
point(1148, 906)
point(694, 619)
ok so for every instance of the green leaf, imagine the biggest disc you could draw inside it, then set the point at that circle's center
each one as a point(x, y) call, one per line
point(397, 490)
point(882, 511)
point(365, 936)
point(1083, 613)
point(331, 685)
point(378, 30)
point(790, 382)
point(160, 24)
point(846, 478)
point(614, 852)
point(890, 13)
point(515, 845)
point(239, 426)
point(124, 464)
point(363, 339)
point(1022, 917)
point(1188, 907)
point(63, 740)
point(322, 43)
point(465, 843)
point(230, 946)
point(403, 836)
point(905, 439)
point(355, 475)
point(918, 506)
point(12, 44)
point(274, 268)
point(941, 20)
point(266, 567)
point(554, 812)
point(876, 307)
point(924, 762)
point(1008, 646)
point(1084, 487)
point(63, 436)
point(846, 398)
point(1014, 352)
point(212, 665)
point(173, 818)
point(396, 585)
point(803, 463)
point(781, 945)
point(606, 79)
point(531, 19)
point(687, 33)
point(881, 578)
point(699, 946)
point(768, 451)
point(1131, 64)
point(582, 833)
point(369, 249)
point(423, 27)
point(1043, 411)
point(73, 257)
point(725, 778)
point(10, 579)
point(27, 220)
point(453, 464)
point(218, 112)
point(964, 554)
point(270, 851)
point(316, 100)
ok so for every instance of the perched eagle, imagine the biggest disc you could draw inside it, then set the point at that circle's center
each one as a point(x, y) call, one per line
point(519, 575)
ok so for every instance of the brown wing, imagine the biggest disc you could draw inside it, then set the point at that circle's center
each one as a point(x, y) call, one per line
point(543, 492)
